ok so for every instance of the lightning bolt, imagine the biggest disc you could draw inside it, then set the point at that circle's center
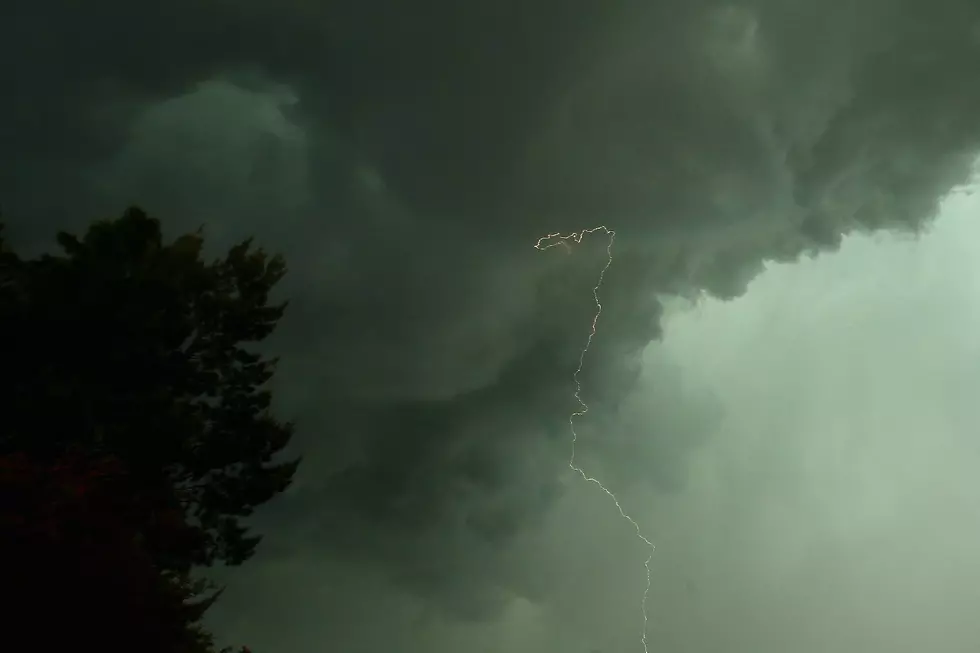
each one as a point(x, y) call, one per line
point(560, 240)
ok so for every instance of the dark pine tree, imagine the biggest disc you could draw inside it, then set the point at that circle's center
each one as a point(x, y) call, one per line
point(75, 573)
point(124, 347)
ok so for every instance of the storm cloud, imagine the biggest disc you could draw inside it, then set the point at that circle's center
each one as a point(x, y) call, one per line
point(406, 157)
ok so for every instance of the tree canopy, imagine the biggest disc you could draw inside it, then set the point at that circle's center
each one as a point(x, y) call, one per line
point(75, 573)
point(128, 348)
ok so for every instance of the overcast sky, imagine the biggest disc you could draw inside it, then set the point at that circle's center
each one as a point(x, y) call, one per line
point(797, 445)
point(836, 508)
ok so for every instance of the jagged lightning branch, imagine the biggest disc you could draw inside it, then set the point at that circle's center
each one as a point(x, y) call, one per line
point(559, 240)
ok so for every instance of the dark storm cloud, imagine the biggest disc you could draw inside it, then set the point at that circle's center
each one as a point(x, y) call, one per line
point(406, 157)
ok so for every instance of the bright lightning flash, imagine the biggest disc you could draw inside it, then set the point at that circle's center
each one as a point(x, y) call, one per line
point(560, 240)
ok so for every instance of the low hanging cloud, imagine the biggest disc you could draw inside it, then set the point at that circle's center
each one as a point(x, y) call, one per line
point(406, 159)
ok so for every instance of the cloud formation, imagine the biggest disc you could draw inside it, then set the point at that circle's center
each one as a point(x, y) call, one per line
point(406, 157)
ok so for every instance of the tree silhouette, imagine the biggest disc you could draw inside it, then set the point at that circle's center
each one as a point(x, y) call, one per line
point(129, 349)
point(75, 575)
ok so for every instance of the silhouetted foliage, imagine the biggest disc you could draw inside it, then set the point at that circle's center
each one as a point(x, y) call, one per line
point(75, 573)
point(130, 349)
